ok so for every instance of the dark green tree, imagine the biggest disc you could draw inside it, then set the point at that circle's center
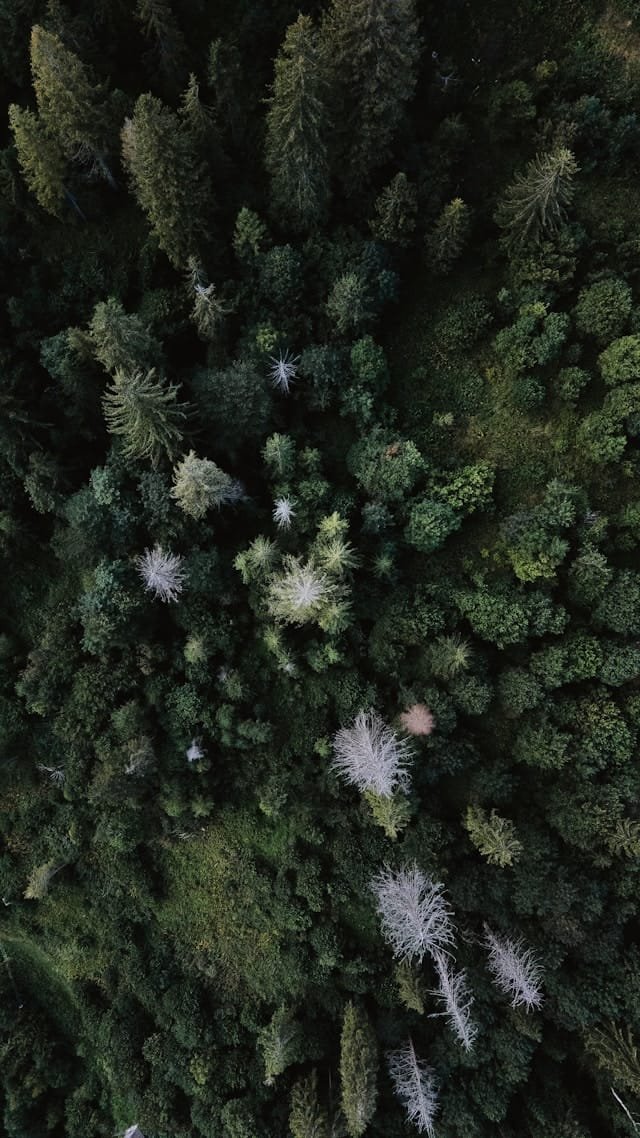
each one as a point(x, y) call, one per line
point(169, 180)
point(371, 50)
point(297, 128)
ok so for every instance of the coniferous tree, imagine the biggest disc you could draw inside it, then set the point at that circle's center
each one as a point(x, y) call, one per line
point(167, 42)
point(358, 1070)
point(296, 148)
point(446, 241)
point(73, 110)
point(307, 1118)
point(120, 339)
point(169, 181)
point(371, 50)
point(199, 485)
point(144, 410)
point(40, 157)
point(493, 836)
point(396, 212)
point(535, 204)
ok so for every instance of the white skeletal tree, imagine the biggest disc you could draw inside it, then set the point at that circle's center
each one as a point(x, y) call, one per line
point(283, 512)
point(415, 1085)
point(162, 573)
point(370, 755)
point(415, 916)
point(284, 369)
point(516, 972)
point(457, 999)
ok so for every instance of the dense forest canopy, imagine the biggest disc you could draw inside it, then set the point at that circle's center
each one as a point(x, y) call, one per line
point(320, 528)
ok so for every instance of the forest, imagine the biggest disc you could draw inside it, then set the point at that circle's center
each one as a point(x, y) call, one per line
point(320, 543)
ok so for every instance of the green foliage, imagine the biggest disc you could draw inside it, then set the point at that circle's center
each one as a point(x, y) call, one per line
point(145, 412)
point(535, 203)
point(297, 128)
point(168, 179)
point(392, 813)
point(603, 310)
point(386, 468)
point(430, 523)
point(349, 304)
point(446, 241)
point(307, 1118)
point(280, 1043)
point(199, 485)
point(358, 1070)
point(494, 837)
point(120, 340)
point(396, 212)
point(40, 157)
point(371, 55)
point(620, 362)
point(614, 1049)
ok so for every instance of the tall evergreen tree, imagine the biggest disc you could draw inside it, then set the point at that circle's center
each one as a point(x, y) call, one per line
point(73, 110)
point(168, 179)
point(358, 1070)
point(40, 157)
point(144, 410)
point(296, 148)
point(535, 203)
point(371, 50)
point(159, 27)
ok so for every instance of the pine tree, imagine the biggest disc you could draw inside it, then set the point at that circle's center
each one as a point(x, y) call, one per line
point(144, 410)
point(160, 28)
point(168, 179)
point(493, 836)
point(40, 157)
point(120, 339)
point(614, 1049)
point(296, 149)
point(446, 241)
point(280, 1044)
point(534, 206)
point(457, 999)
point(307, 1118)
point(163, 576)
point(303, 593)
point(371, 50)
point(199, 485)
point(358, 1070)
point(396, 212)
point(72, 109)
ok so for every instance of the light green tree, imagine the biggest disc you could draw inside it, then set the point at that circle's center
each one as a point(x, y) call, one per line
point(494, 837)
point(73, 110)
point(280, 1044)
point(358, 1070)
point(396, 211)
point(296, 149)
point(307, 1118)
point(534, 205)
point(199, 485)
point(120, 339)
point(145, 412)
